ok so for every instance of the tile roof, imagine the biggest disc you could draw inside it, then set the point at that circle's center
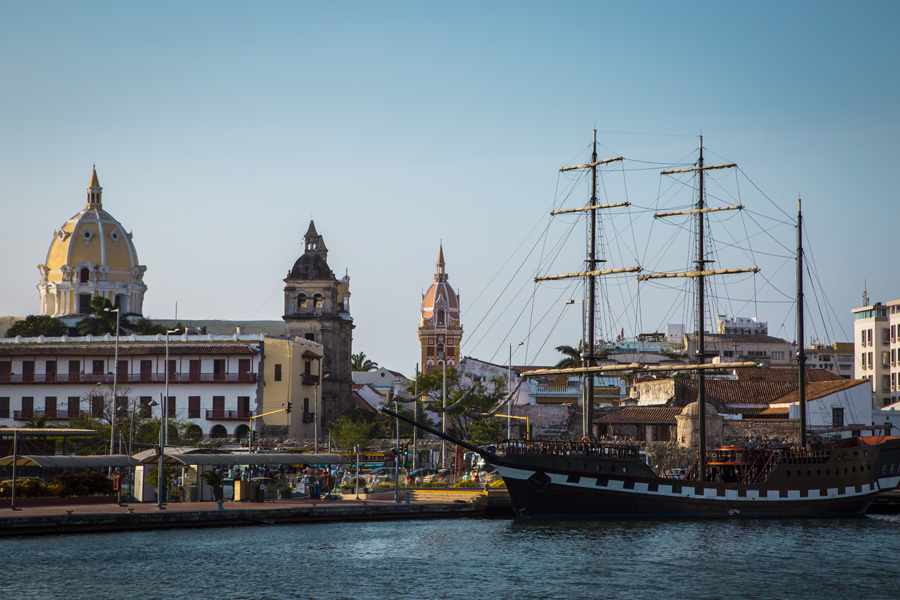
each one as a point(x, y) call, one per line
point(731, 391)
point(636, 415)
point(820, 389)
point(727, 338)
point(751, 373)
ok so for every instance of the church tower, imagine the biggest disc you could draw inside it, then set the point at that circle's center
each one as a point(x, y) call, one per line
point(317, 308)
point(91, 255)
point(440, 331)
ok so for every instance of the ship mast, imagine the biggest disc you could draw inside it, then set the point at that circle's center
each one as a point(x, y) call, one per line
point(700, 274)
point(801, 353)
point(588, 350)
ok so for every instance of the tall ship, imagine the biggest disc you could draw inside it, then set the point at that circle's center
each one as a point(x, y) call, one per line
point(598, 480)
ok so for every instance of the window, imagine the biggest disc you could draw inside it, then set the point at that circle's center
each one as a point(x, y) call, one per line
point(50, 407)
point(837, 417)
point(278, 372)
point(193, 407)
point(121, 404)
point(73, 408)
point(440, 318)
point(885, 358)
point(302, 301)
point(885, 383)
point(885, 336)
point(84, 275)
point(50, 370)
point(893, 357)
point(869, 336)
point(98, 367)
point(310, 336)
point(219, 369)
point(871, 360)
point(27, 370)
point(5, 370)
point(27, 408)
point(74, 370)
point(778, 355)
point(863, 356)
point(863, 338)
point(318, 301)
point(171, 407)
point(96, 407)
point(243, 406)
point(4, 407)
point(145, 406)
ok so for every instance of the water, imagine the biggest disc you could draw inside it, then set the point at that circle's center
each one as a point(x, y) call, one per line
point(498, 559)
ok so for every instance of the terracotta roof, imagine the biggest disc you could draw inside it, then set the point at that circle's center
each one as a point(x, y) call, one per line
point(636, 415)
point(126, 349)
point(730, 391)
point(820, 389)
point(784, 374)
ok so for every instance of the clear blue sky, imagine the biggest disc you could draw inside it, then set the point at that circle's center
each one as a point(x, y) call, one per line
point(220, 128)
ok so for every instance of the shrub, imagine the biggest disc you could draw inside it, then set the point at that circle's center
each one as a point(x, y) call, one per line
point(466, 483)
point(25, 488)
point(88, 483)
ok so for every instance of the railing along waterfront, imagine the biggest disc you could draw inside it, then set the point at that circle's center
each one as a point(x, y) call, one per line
point(624, 451)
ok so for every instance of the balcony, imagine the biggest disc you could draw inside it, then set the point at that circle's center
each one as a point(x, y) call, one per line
point(310, 379)
point(130, 378)
point(60, 415)
point(228, 415)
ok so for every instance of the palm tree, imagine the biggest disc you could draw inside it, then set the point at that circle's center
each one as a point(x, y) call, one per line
point(359, 362)
point(572, 356)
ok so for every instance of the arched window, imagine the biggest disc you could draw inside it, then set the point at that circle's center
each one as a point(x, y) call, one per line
point(440, 317)
point(84, 276)
point(302, 301)
point(218, 431)
point(241, 431)
point(318, 301)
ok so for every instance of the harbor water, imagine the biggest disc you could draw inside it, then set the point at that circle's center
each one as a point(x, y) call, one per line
point(497, 559)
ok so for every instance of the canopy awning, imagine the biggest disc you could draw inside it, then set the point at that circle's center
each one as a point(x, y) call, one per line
point(93, 461)
point(229, 460)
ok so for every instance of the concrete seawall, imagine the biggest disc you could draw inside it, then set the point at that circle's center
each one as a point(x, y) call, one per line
point(137, 516)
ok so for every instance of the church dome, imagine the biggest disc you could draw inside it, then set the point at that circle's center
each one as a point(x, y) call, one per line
point(91, 254)
point(693, 410)
point(440, 295)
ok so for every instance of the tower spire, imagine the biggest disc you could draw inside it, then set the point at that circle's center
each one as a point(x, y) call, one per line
point(94, 191)
point(441, 273)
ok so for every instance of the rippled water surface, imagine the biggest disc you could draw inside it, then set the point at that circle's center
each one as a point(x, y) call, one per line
point(497, 559)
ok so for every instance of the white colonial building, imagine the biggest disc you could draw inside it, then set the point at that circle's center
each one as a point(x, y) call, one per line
point(876, 331)
point(215, 382)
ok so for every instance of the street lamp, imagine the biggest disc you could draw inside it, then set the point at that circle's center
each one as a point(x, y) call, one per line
point(316, 414)
point(509, 390)
point(112, 426)
point(163, 422)
point(442, 356)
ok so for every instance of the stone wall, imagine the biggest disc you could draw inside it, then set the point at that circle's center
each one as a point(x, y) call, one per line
point(762, 431)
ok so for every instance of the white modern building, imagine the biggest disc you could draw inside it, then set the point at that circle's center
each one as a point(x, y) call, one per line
point(876, 331)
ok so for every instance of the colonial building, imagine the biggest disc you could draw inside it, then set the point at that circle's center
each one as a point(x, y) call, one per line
point(317, 308)
point(91, 255)
point(215, 383)
point(440, 330)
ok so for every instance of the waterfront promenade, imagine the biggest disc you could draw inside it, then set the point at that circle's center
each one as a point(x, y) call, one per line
point(36, 520)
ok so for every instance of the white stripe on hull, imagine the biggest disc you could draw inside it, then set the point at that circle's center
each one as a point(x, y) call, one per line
point(688, 488)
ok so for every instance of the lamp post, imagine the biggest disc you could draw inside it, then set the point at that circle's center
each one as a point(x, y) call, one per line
point(112, 424)
point(509, 390)
point(316, 414)
point(442, 356)
point(163, 422)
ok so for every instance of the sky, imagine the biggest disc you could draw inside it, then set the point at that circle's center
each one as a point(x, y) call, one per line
point(219, 129)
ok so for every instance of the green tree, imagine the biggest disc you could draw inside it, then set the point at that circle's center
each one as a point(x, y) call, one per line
point(355, 427)
point(571, 356)
point(465, 400)
point(35, 325)
point(359, 362)
point(98, 321)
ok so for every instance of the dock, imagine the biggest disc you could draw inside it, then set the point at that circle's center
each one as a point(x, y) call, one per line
point(95, 518)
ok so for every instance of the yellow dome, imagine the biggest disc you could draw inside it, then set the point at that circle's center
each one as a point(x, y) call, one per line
point(91, 254)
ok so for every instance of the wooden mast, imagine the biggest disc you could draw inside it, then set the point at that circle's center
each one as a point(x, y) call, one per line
point(801, 353)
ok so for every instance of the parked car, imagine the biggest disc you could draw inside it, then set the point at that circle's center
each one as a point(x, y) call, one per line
point(417, 475)
point(381, 475)
point(442, 475)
